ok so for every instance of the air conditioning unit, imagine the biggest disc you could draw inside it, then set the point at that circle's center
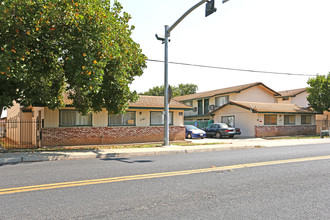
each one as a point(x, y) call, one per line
point(211, 107)
point(194, 109)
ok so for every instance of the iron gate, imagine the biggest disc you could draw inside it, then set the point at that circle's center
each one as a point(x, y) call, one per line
point(20, 134)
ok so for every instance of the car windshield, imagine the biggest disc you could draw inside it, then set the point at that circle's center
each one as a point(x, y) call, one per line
point(223, 125)
point(191, 127)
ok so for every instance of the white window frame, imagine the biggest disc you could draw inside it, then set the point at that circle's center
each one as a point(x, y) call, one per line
point(77, 115)
point(226, 100)
point(154, 113)
point(229, 116)
point(269, 115)
point(287, 120)
point(123, 119)
point(310, 116)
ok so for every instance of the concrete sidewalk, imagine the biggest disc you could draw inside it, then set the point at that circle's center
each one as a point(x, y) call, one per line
point(224, 144)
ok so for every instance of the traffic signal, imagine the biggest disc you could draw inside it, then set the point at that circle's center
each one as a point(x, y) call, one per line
point(210, 8)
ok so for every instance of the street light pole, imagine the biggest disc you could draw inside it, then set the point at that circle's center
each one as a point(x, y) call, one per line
point(166, 99)
point(166, 86)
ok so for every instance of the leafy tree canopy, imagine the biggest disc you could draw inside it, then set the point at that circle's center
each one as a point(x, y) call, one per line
point(82, 48)
point(319, 92)
point(181, 89)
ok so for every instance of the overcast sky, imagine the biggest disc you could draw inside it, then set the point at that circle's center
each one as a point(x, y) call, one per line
point(290, 36)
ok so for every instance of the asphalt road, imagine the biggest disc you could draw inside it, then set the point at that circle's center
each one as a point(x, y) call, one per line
point(207, 187)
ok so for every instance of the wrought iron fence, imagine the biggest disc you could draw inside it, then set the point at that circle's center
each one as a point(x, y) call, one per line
point(19, 134)
point(199, 124)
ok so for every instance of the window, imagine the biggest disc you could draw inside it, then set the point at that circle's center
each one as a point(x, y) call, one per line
point(206, 106)
point(229, 120)
point(127, 119)
point(213, 126)
point(157, 118)
point(289, 119)
point(270, 120)
point(200, 107)
point(285, 99)
point(219, 101)
point(74, 118)
point(306, 119)
point(189, 103)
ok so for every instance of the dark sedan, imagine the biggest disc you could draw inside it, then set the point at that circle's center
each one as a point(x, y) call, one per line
point(219, 130)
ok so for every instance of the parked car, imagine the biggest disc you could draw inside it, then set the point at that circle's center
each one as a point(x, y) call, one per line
point(219, 130)
point(194, 132)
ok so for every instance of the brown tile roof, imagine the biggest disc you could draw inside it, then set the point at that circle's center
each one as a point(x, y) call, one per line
point(291, 93)
point(234, 89)
point(156, 102)
point(146, 102)
point(262, 107)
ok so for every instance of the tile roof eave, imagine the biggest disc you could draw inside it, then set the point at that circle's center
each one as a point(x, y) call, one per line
point(259, 84)
point(291, 95)
point(158, 108)
point(284, 112)
point(233, 91)
point(262, 112)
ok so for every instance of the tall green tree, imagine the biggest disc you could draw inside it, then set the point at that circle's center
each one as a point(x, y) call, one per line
point(180, 90)
point(154, 91)
point(319, 93)
point(185, 89)
point(82, 48)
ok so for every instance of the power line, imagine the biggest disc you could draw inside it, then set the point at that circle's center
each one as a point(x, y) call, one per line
point(232, 69)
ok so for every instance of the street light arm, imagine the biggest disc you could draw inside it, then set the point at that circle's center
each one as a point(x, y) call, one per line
point(183, 16)
point(166, 86)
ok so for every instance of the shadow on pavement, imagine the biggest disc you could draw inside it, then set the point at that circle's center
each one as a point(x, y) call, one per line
point(28, 157)
point(127, 160)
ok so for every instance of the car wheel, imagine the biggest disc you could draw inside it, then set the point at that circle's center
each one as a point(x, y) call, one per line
point(218, 135)
point(189, 136)
point(231, 136)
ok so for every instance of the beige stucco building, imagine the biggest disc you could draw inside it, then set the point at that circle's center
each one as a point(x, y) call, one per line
point(257, 119)
point(299, 97)
point(142, 122)
point(255, 108)
point(294, 96)
point(204, 102)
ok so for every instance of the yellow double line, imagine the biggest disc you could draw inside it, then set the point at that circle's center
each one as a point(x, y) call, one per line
point(153, 175)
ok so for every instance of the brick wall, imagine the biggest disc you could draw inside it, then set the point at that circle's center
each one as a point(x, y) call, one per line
point(269, 131)
point(107, 135)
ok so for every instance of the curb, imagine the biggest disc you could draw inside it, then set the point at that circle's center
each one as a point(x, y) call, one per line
point(14, 158)
point(40, 157)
